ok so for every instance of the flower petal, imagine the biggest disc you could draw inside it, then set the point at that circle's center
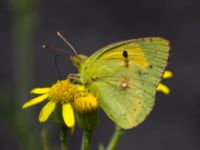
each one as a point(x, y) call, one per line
point(68, 115)
point(40, 90)
point(163, 88)
point(35, 101)
point(46, 111)
point(167, 74)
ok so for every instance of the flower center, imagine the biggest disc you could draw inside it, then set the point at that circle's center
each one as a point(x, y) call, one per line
point(63, 91)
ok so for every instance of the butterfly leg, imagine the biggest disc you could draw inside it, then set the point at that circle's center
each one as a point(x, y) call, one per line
point(74, 77)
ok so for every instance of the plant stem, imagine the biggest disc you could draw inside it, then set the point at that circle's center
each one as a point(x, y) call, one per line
point(115, 138)
point(24, 20)
point(86, 141)
point(44, 137)
point(63, 138)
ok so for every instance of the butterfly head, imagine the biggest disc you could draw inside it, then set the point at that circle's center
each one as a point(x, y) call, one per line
point(78, 59)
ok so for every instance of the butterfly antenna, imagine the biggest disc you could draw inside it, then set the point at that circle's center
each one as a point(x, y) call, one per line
point(64, 39)
point(56, 49)
point(57, 67)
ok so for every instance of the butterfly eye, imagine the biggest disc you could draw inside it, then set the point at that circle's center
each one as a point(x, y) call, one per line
point(125, 54)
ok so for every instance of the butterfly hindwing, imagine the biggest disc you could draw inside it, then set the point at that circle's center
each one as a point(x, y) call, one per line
point(124, 77)
point(122, 97)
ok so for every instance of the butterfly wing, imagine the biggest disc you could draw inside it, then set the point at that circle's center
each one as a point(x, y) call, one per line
point(124, 76)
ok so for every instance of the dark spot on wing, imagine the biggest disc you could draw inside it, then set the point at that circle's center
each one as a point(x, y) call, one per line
point(125, 54)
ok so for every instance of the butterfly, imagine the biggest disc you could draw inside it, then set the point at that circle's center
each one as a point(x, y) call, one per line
point(124, 76)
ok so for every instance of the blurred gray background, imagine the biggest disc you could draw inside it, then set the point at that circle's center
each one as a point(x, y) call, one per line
point(25, 25)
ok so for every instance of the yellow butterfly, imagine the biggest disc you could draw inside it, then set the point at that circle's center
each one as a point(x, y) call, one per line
point(124, 76)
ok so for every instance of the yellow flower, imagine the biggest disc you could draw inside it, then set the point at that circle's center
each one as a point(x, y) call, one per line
point(86, 107)
point(163, 88)
point(62, 92)
point(86, 102)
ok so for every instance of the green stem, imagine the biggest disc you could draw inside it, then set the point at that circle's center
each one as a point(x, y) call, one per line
point(44, 137)
point(63, 138)
point(86, 141)
point(115, 138)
